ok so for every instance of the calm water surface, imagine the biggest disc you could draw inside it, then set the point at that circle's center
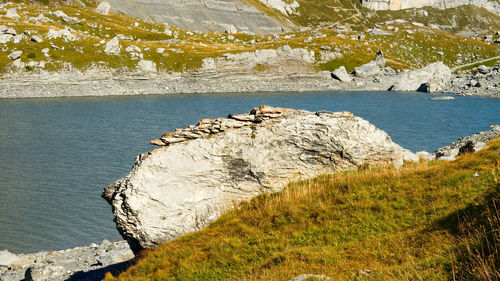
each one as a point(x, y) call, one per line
point(57, 154)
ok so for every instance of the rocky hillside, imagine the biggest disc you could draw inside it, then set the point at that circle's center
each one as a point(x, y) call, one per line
point(230, 16)
point(270, 16)
point(39, 40)
point(492, 6)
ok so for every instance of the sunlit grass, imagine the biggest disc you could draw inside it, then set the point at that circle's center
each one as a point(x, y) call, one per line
point(421, 222)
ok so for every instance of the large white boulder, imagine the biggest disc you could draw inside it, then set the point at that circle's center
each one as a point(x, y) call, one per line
point(66, 34)
point(15, 55)
point(7, 258)
point(432, 78)
point(204, 170)
point(367, 70)
point(4, 38)
point(147, 66)
point(113, 47)
point(103, 8)
point(11, 13)
point(341, 74)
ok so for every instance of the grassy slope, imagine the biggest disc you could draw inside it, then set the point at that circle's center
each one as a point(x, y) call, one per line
point(399, 224)
point(351, 13)
point(188, 49)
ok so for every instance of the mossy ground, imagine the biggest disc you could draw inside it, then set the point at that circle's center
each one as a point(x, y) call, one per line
point(426, 221)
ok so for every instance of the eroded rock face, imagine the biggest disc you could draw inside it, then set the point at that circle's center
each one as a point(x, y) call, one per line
point(202, 171)
point(211, 15)
point(248, 60)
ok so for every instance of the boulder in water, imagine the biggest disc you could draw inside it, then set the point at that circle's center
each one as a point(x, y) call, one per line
point(205, 169)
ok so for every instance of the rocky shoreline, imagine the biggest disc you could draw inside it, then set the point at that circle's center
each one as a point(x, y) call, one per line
point(80, 263)
point(482, 83)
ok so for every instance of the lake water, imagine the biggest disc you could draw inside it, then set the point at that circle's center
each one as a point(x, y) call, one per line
point(58, 153)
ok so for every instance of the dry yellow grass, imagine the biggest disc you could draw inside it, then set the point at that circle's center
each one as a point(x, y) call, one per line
point(425, 221)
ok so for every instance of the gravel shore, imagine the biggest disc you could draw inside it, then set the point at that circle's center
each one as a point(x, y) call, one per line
point(87, 263)
point(77, 85)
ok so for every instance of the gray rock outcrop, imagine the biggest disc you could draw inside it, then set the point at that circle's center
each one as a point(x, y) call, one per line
point(491, 6)
point(4, 38)
point(11, 13)
point(248, 60)
point(112, 47)
point(380, 60)
point(435, 77)
point(36, 39)
point(7, 258)
point(66, 18)
point(367, 70)
point(88, 263)
point(103, 8)
point(468, 144)
point(372, 68)
point(209, 15)
point(66, 34)
point(202, 171)
point(341, 75)
point(15, 55)
point(147, 66)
